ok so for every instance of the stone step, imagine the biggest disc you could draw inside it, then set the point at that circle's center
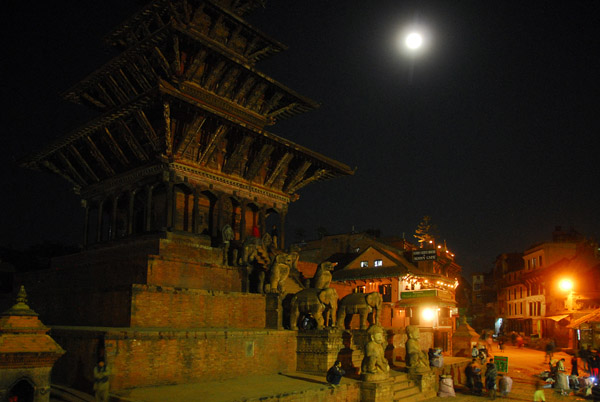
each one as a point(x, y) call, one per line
point(403, 384)
point(411, 394)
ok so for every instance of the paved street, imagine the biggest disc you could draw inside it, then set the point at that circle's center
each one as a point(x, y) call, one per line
point(522, 365)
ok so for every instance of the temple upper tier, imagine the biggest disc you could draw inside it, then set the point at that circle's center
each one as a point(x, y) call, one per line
point(181, 119)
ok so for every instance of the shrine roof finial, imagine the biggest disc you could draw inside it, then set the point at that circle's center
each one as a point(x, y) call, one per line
point(21, 307)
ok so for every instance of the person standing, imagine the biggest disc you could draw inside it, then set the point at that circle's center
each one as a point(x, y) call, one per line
point(594, 363)
point(335, 373)
point(562, 382)
point(549, 351)
point(101, 384)
point(538, 395)
point(490, 378)
point(574, 370)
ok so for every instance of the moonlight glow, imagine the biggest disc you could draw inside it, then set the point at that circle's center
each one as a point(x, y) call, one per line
point(414, 40)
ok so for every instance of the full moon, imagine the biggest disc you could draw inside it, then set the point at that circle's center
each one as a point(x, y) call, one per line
point(414, 41)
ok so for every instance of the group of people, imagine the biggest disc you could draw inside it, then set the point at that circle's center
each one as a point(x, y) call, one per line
point(591, 361)
point(475, 384)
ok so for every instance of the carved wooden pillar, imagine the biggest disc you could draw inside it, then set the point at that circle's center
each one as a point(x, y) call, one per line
point(170, 203)
point(99, 226)
point(243, 230)
point(130, 215)
point(86, 221)
point(219, 212)
point(281, 239)
point(113, 220)
point(262, 221)
point(148, 212)
point(195, 211)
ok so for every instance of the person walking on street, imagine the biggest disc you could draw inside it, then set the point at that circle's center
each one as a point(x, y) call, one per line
point(490, 379)
point(549, 350)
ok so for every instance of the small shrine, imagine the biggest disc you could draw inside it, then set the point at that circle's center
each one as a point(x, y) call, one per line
point(27, 354)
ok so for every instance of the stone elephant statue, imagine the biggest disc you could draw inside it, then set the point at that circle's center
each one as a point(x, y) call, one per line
point(315, 302)
point(360, 303)
point(279, 271)
point(322, 277)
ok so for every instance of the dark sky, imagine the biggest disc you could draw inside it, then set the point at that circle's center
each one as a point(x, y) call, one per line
point(492, 131)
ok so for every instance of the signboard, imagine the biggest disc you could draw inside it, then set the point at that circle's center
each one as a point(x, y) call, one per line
point(424, 255)
point(501, 363)
point(413, 294)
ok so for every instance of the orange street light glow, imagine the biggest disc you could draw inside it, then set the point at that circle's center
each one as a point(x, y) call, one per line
point(566, 285)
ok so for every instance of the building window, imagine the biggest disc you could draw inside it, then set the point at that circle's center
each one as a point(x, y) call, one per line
point(510, 309)
point(533, 261)
point(364, 264)
point(539, 308)
point(360, 289)
point(540, 257)
point(378, 263)
point(520, 292)
point(386, 292)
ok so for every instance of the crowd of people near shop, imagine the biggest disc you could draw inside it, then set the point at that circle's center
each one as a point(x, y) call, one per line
point(583, 379)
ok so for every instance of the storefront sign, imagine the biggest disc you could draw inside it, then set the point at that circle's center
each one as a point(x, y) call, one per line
point(413, 294)
point(424, 255)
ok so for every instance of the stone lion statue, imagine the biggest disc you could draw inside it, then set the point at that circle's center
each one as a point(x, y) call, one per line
point(416, 360)
point(374, 362)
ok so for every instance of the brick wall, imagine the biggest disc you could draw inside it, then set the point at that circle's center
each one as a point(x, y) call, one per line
point(155, 358)
point(155, 306)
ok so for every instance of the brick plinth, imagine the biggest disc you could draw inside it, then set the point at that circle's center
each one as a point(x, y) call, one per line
point(141, 357)
point(379, 391)
point(318, 350)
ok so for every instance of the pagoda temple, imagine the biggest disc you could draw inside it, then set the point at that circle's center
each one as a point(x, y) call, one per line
point(176, 173)
point(180, 142)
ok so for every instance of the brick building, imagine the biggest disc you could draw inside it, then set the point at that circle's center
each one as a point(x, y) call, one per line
point(417, 285)
point(530, 297)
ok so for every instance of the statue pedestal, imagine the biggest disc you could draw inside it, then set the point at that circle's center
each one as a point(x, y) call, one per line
point(318, 350)
point(427, 383)
point(274, 311)
point(377, 391)
point(463, 340)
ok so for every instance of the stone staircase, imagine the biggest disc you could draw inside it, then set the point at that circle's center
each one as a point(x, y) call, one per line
point(405, 389)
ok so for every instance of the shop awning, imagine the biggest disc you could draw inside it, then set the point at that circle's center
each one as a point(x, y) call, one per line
point(593, 316)
point(557, 318)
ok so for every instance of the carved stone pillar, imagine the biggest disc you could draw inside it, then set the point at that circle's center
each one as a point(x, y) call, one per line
point(99, 226)
point(148, 212)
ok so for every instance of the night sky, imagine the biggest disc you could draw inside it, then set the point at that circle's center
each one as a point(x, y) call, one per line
point(492, 131)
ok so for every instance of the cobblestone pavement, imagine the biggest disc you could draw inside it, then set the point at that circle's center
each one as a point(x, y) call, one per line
point(523, 364)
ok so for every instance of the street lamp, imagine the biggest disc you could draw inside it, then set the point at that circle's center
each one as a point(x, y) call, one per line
point(565, 285)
